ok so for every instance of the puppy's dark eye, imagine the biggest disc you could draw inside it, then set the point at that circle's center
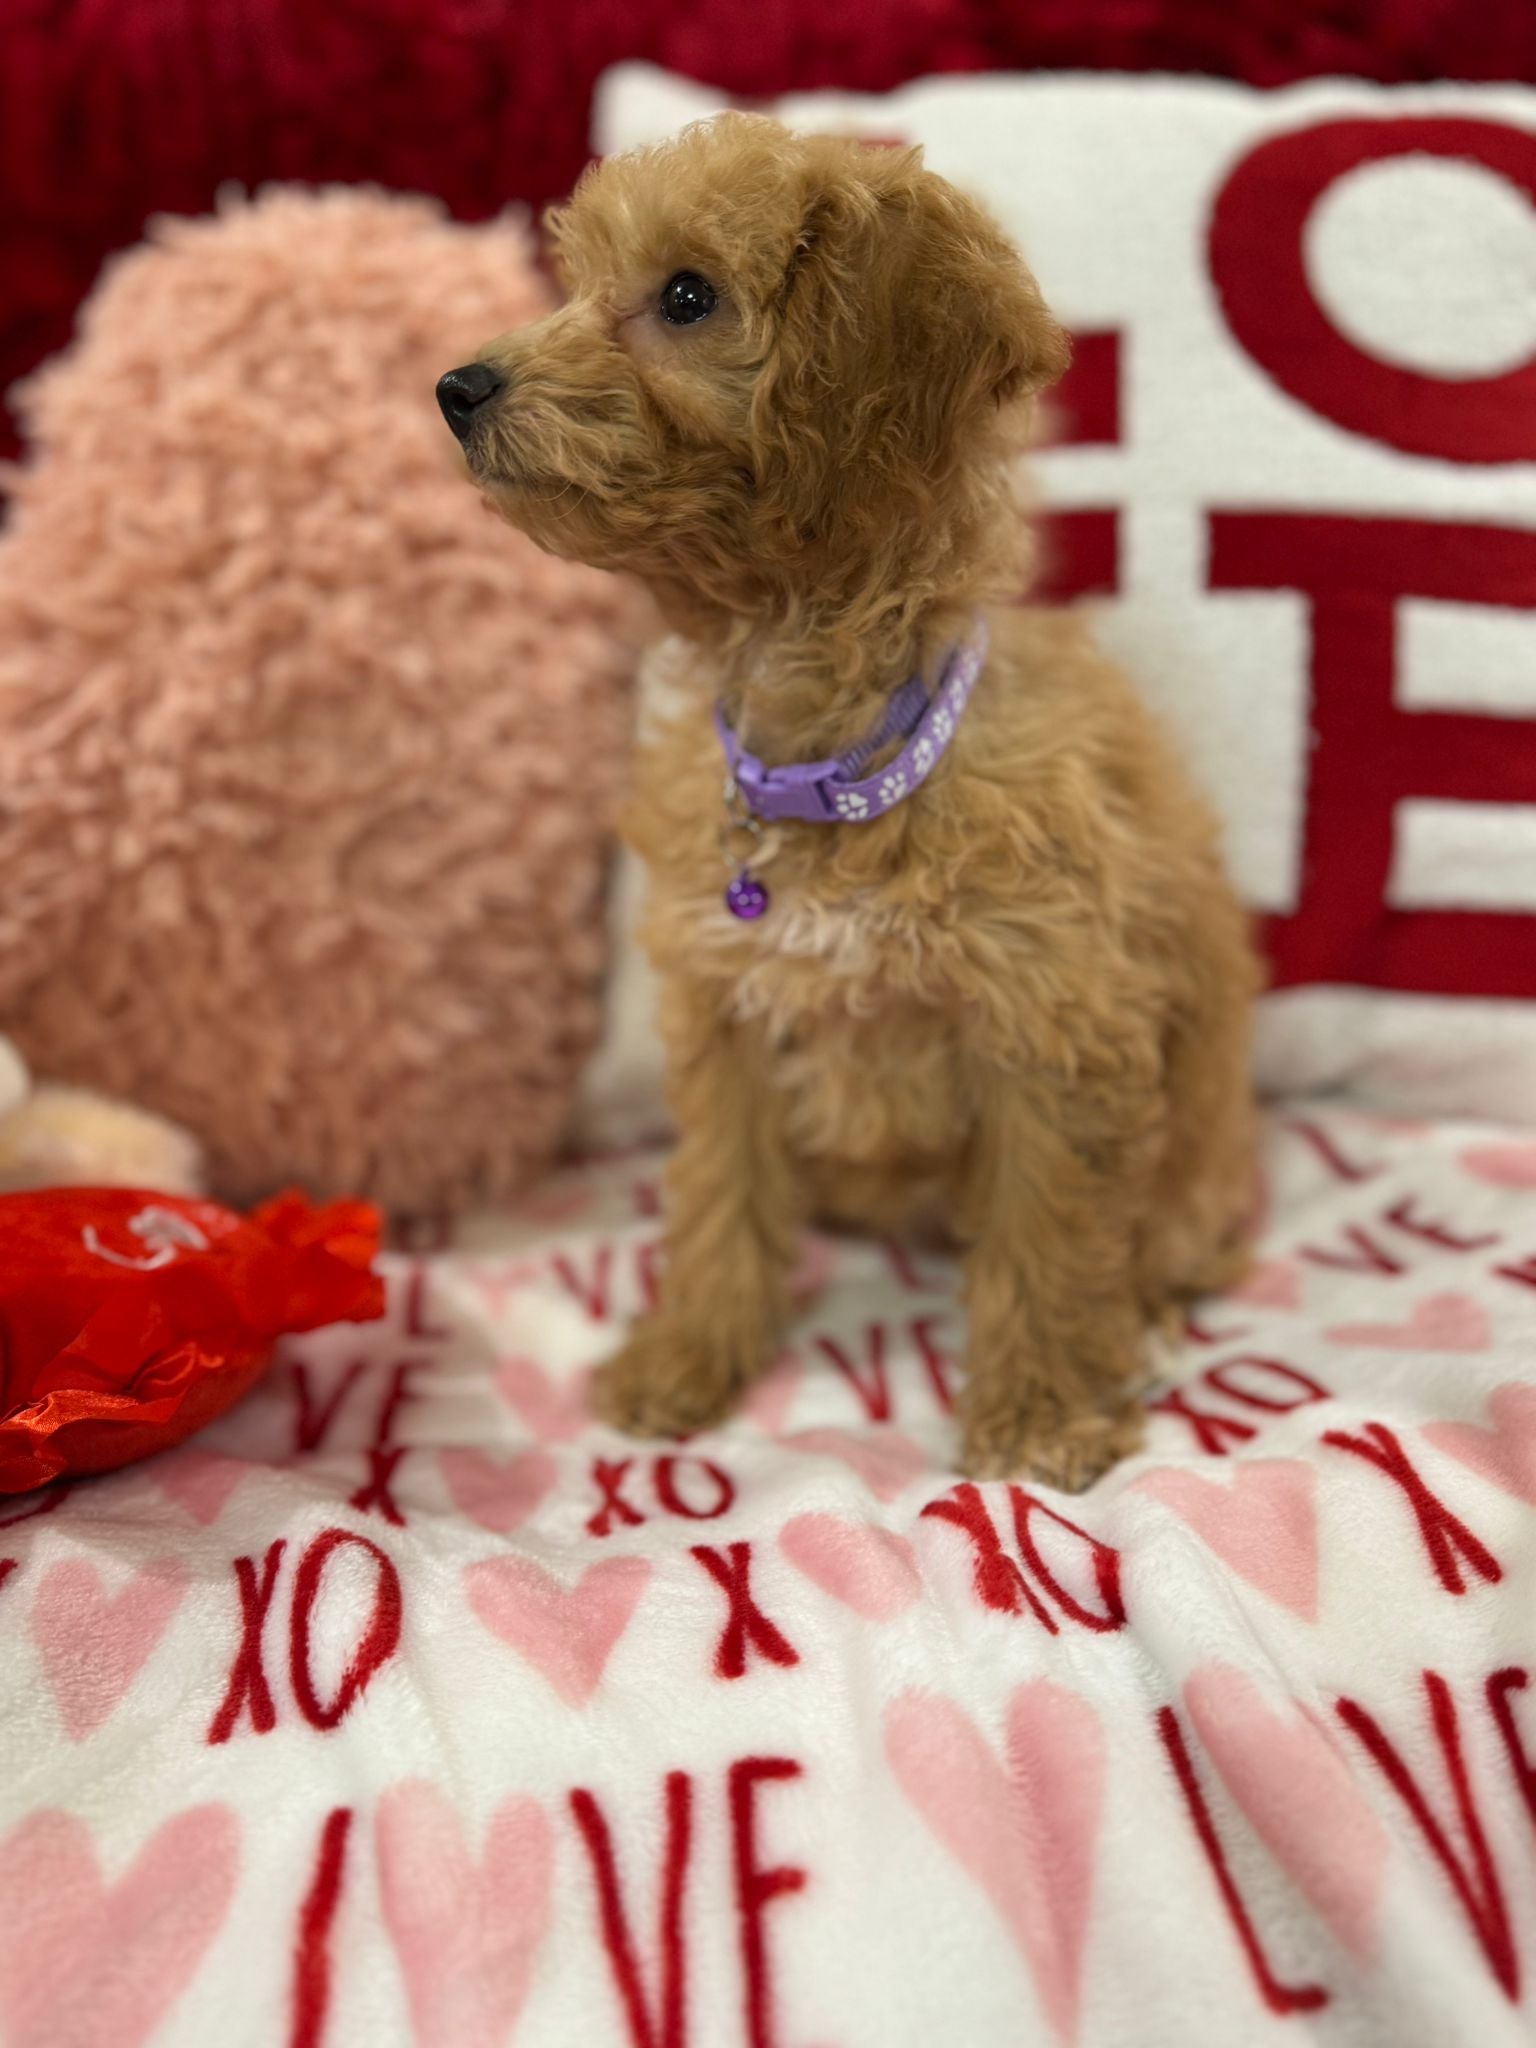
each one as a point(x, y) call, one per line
point(686, 298)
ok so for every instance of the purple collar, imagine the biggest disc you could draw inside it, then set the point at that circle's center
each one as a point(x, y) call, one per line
point(826, 792)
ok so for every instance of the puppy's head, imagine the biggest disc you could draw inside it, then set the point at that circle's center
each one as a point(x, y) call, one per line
point(783, 362)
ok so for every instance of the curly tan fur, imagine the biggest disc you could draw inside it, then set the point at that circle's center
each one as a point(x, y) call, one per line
point(1014, 1009)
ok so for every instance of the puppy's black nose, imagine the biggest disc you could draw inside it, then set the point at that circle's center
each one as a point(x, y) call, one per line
point(461, 393)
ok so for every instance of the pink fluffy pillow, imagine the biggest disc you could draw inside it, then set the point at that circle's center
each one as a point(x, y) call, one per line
point(306, 764)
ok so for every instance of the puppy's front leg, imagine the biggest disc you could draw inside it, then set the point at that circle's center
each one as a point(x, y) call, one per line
point(732, 1224)
point(1056, 1203)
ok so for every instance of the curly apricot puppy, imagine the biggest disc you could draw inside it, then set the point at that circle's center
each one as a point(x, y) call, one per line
point(1013, 1004)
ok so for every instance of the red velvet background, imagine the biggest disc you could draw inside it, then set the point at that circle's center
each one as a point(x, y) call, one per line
point(111, 110)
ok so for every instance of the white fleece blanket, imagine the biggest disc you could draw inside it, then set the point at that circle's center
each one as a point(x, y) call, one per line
point(407, 1707)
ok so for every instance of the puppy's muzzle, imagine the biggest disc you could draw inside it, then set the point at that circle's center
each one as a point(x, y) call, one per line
point(462, 393)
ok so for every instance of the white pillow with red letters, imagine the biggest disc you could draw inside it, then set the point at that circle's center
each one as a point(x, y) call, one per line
point(1295, 480)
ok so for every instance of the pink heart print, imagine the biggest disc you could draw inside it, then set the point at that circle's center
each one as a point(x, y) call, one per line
point(769, 1401)
point(1262, 1523)
point(885, 1459)
point(567, 1633)
point(201, 1482)
point(870, 1570)
point(1504, 1166)
point(498, 1493)
point(467, 1930)
point(1024, 1828)
point(1440, 1322)
point(1273, 1283)
point(552, 1410)
point(84, 1964)
point(94, 1644)
point(1504, 1454)
point(814, 1267)
point(1292, 1781)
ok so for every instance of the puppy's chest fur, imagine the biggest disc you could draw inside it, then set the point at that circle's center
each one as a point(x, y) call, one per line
point(841, 984)
point(867, 1063)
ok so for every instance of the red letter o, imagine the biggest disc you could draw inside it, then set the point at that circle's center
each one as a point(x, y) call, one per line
point(1261, 280)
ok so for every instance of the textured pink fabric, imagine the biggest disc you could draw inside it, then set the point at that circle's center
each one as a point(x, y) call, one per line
point(290, 726)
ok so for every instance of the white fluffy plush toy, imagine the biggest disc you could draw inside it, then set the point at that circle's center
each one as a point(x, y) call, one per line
point(63, 1137)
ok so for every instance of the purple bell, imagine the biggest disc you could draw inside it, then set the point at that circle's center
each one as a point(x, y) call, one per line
point(745, 896)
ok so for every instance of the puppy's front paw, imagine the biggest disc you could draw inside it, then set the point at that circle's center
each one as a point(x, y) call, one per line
point(667, 1381)
point(1024, 1438)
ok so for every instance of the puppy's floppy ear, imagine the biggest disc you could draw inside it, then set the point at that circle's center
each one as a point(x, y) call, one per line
point(907, 323)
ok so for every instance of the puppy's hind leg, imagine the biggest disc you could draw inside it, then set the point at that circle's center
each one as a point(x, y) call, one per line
point(1201, 1219)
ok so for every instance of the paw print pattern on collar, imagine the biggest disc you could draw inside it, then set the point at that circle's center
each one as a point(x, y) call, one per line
point(836, 790)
